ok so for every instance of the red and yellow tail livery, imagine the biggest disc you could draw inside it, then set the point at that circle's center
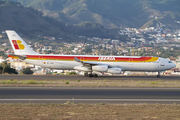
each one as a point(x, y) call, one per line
point(18, 45)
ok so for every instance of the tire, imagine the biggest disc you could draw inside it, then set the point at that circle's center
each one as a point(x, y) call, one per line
point(86, 75)
point(90, 75)
point(158, 76)
point(96, 75)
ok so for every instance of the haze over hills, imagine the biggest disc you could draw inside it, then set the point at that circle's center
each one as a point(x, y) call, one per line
point(111, 13)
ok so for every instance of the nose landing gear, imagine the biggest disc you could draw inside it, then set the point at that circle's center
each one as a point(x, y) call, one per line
point(158, 76)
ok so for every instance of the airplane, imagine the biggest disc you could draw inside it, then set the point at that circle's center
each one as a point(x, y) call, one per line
point(90, 64)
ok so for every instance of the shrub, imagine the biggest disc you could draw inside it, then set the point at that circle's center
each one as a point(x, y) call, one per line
point(9, 81)
point(27, 71)
point(154, 83)
point(67, 82)
point(4, 82)
point(72, 73)
point(15, 81)
point(41, 82)
point(32, 82)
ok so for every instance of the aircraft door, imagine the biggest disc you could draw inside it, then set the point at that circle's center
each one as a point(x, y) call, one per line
point(161, 63)
point(41, 60)
point(130, 61)
point(82, 58)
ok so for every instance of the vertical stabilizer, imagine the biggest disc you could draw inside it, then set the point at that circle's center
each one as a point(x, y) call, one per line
point(18, 44)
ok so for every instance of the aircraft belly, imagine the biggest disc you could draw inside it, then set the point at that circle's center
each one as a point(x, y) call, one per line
point(69, 65)
point(145, 67)
point(62, 65)
point(34, 62)
point(126, 66)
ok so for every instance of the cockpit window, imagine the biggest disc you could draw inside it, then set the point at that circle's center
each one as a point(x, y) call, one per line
point(170, 62)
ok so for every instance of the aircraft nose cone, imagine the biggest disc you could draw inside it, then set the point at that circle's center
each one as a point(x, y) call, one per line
point(174, 65)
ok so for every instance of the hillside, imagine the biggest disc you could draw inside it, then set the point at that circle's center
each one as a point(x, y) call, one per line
point(28, 21)
point(110, 13)
point(31, 23)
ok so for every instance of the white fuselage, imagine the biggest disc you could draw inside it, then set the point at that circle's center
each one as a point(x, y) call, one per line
point(160, 65)
point(113, 64)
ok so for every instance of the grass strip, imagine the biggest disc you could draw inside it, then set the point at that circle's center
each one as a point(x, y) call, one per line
point(91, 83)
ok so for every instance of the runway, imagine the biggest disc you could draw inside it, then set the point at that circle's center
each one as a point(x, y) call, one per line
point(77, 77)
point(89, 95)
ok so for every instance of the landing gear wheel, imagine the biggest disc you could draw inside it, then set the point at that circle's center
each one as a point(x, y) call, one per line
point(85, 74)
point(96, 75)
point(90, 75)
point(158, 76)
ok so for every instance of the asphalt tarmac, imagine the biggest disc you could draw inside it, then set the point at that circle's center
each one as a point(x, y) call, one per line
point(89, 95)
point(77, 77)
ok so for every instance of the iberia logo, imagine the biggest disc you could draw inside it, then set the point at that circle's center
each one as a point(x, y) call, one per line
point(18, 45)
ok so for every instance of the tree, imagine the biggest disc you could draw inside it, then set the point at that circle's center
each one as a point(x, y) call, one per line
point(4, 65)
point(5, 68)
point(87, 49)
point(27, 71)
point(3, 54)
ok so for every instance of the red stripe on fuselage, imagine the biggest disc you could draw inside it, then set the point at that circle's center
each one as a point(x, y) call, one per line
point(133, 59)
point(96, 58)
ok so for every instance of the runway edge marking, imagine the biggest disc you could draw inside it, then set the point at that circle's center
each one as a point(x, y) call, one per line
point(162, 100)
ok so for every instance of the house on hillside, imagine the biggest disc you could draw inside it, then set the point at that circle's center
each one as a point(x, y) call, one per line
point(1, 59)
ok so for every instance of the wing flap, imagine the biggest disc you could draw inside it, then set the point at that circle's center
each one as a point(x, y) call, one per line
point(89, 63)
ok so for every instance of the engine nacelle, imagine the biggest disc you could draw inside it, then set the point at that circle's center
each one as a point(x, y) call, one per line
point(100, 68)
point(114, 70)
point(81, 68)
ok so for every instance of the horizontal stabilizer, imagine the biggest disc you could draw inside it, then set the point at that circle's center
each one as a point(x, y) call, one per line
point(22, 57)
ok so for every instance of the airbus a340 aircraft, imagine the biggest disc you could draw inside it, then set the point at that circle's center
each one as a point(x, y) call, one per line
point(87, 63)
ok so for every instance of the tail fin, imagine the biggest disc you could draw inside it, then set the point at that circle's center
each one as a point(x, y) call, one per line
point(18, 44)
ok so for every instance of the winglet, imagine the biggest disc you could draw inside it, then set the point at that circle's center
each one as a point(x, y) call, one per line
point(77, 60)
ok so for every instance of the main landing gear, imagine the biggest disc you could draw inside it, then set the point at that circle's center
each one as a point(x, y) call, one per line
point(158, 74)
point(90, 75)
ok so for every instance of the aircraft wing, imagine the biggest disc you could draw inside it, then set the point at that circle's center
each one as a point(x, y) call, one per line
point(90, 63)
point(96, 66)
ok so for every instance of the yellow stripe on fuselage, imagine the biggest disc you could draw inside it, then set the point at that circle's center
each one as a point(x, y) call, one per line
point(153, 59)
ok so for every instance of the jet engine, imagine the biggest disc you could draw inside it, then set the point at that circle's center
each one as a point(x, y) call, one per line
point(100, 68)
point(81, 68)
point(114, 70)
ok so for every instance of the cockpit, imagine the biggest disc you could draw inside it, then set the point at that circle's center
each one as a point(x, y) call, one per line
point(170, 61)
point(166, 64)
